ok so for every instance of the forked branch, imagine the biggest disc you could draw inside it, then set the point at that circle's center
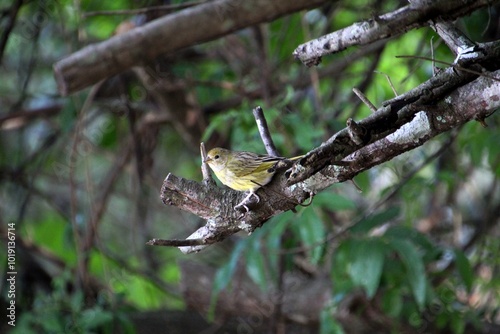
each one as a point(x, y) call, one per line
point(400, 125)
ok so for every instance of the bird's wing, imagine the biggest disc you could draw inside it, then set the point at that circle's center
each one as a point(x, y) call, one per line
point(246, 163)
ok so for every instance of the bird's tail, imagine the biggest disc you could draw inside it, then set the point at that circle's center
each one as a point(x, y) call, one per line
point(296, 158)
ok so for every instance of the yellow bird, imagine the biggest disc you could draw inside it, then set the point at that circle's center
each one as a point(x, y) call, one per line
point(243, 171)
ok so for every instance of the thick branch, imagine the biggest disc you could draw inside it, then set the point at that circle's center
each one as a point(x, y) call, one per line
point(216, 205)
point(474, 101)
point(392, 24)
point(167, 34)
point(393, 114)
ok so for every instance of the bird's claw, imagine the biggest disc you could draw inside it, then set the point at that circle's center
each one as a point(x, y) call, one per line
point(245, 201)
point(237, 207)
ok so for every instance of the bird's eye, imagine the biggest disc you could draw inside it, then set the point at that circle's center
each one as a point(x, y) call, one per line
point(216, 156)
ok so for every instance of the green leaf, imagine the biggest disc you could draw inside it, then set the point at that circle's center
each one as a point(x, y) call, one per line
point(415, 271)
point(107, 133)
point(464, 269)
point(367, 261)
point(333, 201)
point(312, 233)
point(339, 269)
point(378, 219)
point(392, 302)
point(224, 275)
point(77, 301)
point(255, 265)
point(328, 324)
point(95, 318)
point(412, 235)
point(273, 239)
point(53, 324)
point(457, 323)
point(126, 325)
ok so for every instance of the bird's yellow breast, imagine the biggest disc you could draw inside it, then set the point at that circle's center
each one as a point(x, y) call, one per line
point(252, 181)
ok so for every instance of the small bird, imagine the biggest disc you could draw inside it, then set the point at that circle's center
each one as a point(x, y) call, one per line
point(243, 171)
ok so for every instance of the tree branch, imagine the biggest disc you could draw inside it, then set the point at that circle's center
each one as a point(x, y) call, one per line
point(475, 100)
point(415, 15)
point(265, 135)
point(453, 97)
point(394, 114)
point(212, 19)
point(452, 36)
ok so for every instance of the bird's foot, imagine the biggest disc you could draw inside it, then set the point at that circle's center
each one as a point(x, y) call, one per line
point(247, 201)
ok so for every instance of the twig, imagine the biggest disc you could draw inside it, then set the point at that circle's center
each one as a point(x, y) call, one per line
point(22, 117)
point(265, 135)
point(490, 15)
point(100, 201)
point(362, 86)
point(7, 27)
point(205, 171)
point(82, 273)
point(179, 243)
point(418, 64)
point(365, 100)
point(432, 56)
point(458, 67)
point(390, 82)
point(358, 188)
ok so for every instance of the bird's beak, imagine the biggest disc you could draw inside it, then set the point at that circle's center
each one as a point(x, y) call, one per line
point(207, 159)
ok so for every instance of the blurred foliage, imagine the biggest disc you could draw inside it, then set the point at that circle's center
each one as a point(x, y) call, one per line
point(404, 242)
point(63, 312)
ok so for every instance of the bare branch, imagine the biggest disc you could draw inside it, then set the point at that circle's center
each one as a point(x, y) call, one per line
point(205, 170)
point(452, 36)
point(390, 82)
point(457, 67)
point(456, 40)
point(177, 242)
point(389, 25)
point(265, 135)
point(365, 100)
point(392, 115)
point(13, 120)
point(7, 27)
point(213, 19)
